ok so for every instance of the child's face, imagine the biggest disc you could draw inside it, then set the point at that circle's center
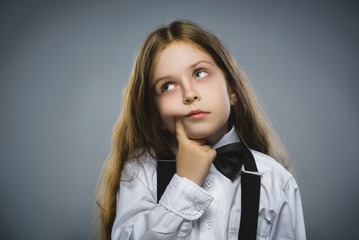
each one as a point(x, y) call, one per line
point(189, 85)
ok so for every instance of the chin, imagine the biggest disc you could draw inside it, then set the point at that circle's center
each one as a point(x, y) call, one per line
point(197, 133)
point(211, 133)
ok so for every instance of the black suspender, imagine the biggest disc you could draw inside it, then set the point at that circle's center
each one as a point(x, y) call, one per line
point(250, 187)
point(165, 171)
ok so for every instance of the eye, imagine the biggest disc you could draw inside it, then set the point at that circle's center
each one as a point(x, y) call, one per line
point(200, 74)
point(167, 87)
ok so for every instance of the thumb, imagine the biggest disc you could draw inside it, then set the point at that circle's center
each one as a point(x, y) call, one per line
point(180, 132)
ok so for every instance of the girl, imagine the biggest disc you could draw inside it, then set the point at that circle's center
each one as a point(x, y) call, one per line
point(186, 99)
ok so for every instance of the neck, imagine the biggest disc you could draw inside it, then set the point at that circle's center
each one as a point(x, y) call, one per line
point(215, 137)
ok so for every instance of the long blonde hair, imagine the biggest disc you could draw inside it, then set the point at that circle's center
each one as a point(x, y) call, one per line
point(137, 130)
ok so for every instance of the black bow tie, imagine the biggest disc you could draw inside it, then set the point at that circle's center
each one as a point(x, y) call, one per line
point(229, 159)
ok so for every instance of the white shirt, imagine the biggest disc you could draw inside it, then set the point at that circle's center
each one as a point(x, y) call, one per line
point(210, 211)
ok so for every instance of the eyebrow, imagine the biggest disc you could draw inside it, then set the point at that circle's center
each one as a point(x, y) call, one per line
point(191, 66)
point(200, 61)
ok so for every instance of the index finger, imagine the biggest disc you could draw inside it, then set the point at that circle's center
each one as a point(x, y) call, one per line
point(180, 131)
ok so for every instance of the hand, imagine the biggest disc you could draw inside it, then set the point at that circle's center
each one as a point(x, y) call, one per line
point(194, 157)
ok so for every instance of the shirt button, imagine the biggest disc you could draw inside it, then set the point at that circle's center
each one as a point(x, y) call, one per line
point(197, 207)
point(209, 224)
point(209, 183)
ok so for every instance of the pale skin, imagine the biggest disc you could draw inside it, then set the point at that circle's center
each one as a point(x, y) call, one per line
point(194, 104)
point(194, 157)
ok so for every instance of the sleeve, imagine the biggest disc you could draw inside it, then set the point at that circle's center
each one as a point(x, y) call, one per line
point(289, 223)
point(138, 216)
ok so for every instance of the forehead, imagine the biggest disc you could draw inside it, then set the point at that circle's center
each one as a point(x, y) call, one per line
point(176, 57)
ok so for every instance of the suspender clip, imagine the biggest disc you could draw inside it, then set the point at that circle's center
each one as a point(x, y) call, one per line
point(251, 172)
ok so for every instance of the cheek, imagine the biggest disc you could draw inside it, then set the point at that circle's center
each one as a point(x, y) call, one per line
point(168, 110)
point(216, 94)
point(221, 104)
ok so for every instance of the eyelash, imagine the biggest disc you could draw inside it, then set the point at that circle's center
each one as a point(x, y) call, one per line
point(164, 85)
point(199, 71)
point(194, 75)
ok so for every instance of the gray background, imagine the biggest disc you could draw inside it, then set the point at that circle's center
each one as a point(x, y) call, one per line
point(64, 64)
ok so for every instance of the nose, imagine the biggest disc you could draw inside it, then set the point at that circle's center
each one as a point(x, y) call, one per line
point(190, 95)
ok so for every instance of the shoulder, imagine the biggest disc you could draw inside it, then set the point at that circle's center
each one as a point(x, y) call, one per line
point(271, 170)
point(280, 200)
point(138, 178)
point(277, 184)
point(143, 167)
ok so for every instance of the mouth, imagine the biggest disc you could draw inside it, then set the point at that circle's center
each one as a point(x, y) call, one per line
point(197, 114)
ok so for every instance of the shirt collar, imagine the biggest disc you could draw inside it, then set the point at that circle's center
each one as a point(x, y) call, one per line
point(228, 138)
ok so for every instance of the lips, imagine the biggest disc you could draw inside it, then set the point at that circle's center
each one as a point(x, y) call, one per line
point(197, 114)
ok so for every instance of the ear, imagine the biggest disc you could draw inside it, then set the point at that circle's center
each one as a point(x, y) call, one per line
point(233, 99)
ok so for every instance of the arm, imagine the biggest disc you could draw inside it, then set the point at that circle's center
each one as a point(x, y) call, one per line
point(289, 223)
point(139, 216)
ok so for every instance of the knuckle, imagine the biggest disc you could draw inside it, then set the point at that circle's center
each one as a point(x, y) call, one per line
point(213, 153)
